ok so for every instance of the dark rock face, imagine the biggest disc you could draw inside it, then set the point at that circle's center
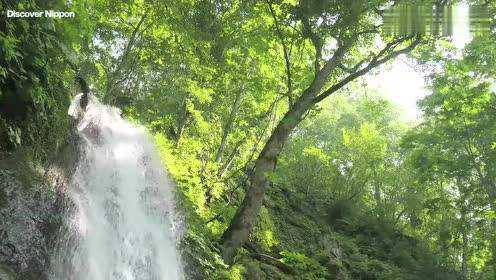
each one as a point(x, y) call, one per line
point(31, 216)
point(24, 225)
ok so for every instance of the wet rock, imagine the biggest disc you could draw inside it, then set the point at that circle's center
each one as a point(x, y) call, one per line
point(31, 215)
point(23, 225)
point(6, 273)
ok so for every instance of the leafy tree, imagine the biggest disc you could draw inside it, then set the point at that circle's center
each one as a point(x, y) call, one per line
point(338, 33)
point(453, 149)
point(35, 82)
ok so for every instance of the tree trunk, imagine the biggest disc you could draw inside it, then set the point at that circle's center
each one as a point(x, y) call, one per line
point(490, 187)
point(228, 126)
point(181, 123)
point(239, 229)
point(492, 204)
point(230, 158)
point(377, 195)
point(464, 247)
point(379, 206)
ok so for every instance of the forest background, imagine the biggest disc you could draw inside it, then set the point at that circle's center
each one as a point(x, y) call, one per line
point(287, 165)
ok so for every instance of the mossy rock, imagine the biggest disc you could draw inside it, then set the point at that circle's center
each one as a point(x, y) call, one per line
point(3, 200)
point(6, 273)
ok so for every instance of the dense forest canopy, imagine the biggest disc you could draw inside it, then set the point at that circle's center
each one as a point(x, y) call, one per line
point(287, 165)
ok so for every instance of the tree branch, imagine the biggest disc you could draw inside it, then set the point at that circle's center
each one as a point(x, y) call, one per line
point(133, 37)
point(331, 64)
point(285, 51)
point(316, 41)
point(256, 253)
point(354, 68)
point(386, 54)
point(336, 61)
point(130, 44)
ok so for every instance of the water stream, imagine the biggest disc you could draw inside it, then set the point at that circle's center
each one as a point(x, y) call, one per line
point(122, 224)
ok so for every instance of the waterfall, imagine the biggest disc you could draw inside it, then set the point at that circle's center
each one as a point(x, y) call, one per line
point(122, 224)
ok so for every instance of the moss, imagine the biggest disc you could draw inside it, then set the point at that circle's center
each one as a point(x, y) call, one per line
point(22, 167)
point(7, 273)
point(253, 270)
point(330, 239)
point(3, 199)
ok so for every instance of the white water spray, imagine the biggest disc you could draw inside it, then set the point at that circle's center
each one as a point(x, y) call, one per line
point(122, 227)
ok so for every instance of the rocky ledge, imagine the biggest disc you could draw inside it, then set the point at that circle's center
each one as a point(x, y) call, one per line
point(32, 206)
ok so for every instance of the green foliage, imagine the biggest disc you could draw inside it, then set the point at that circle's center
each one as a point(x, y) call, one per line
point(320, 217)
point(35, 82)
point(452, 153)
point(307, 268)
point(356, 194)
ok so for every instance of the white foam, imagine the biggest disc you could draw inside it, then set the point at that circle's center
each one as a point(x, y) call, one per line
point(123, 224)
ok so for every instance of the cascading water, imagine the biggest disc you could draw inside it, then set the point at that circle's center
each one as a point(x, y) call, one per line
point(122, 225)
